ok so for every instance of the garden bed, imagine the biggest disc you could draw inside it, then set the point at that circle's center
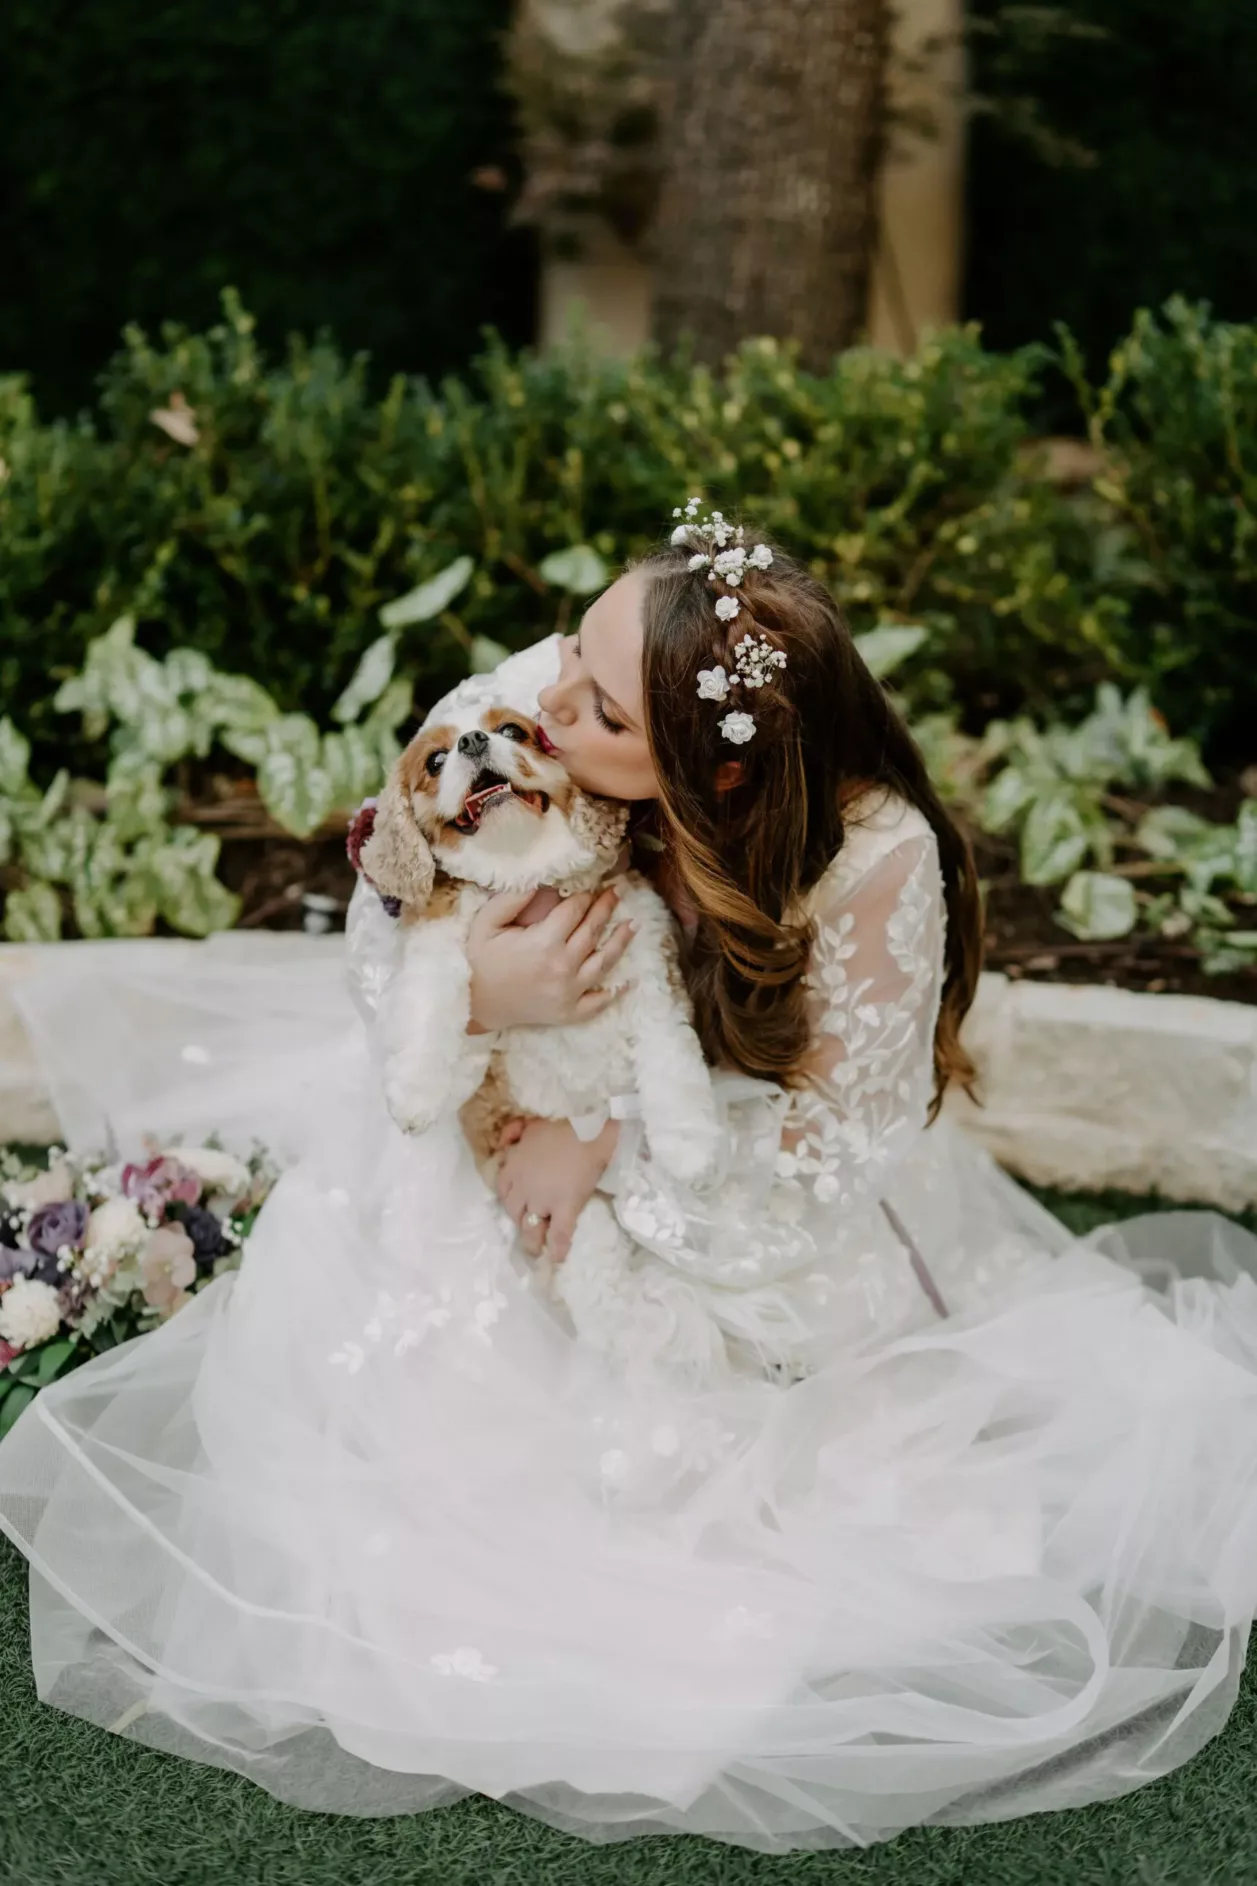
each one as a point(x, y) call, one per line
point(286, 884)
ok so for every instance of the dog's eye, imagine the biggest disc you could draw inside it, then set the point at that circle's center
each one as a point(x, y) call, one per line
point(436, 761)
point(513, 730)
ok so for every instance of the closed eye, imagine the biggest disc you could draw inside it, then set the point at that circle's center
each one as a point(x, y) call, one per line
point(600, 711)
point(603, 718)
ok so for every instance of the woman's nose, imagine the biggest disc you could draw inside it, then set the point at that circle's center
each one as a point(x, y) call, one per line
point(554, 702)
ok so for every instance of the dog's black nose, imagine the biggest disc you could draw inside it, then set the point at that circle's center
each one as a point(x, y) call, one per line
point(475, 744)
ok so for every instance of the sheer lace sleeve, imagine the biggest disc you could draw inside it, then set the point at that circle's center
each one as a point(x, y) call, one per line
point(794, 1162)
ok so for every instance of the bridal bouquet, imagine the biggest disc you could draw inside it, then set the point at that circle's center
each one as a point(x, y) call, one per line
point(93, 1252)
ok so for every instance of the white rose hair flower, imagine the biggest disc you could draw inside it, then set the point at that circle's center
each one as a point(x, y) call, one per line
point(738, 728)
point(721, 549)
point(713, 684)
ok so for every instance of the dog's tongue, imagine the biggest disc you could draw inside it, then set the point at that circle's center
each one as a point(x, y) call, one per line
point(475, 802)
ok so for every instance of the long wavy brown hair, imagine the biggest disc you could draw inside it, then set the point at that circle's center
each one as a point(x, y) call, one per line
point(747, 852)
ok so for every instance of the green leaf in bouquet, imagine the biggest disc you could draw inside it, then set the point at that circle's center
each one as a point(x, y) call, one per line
point(8, 834)
point(292, 781)
point(15, 755)
point(485, 654)
point(578, 569)
point(352, 762)
point(888, 646)
point(18, 1399)
point(51, 1360)
point(1097, 907)
point(370, 678)
point(1054, 839)
point(430, 598)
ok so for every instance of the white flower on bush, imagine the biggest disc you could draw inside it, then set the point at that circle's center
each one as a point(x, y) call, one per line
point(115, 1230)
point(217, 1171)
point(30, 1313)
point(739, 728)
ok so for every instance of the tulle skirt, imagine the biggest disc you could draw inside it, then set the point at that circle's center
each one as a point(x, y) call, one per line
point(364, 1524)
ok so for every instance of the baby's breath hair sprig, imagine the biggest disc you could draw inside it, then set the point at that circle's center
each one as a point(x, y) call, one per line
point(721, 549)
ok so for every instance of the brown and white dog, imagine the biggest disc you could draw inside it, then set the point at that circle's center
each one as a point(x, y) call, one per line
point(476, 806)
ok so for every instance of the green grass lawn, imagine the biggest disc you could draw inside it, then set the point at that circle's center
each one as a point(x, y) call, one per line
point(82, 1808)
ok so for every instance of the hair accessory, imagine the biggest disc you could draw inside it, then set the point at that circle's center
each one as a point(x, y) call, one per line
point(720, 548)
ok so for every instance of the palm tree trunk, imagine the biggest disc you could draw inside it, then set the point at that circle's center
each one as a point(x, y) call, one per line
point(774, 116)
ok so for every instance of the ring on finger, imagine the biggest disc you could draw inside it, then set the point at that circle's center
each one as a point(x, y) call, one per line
point(532, 1219)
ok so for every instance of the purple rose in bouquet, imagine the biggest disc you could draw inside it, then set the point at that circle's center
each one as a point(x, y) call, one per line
point(55, 1228)
point(160, 1183)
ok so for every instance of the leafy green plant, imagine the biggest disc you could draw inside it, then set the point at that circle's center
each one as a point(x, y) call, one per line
point(1075, 800)
point(117, 853)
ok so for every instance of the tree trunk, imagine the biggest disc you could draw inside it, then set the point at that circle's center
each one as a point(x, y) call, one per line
point(773, 121)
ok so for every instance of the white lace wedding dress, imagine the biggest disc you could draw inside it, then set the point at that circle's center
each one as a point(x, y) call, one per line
point(968, 1529)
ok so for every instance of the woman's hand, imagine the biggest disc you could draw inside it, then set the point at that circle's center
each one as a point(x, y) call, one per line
point(549, 971)
point(546, 1177)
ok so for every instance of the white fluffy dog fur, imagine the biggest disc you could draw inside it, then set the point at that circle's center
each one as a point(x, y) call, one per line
point(476, 806)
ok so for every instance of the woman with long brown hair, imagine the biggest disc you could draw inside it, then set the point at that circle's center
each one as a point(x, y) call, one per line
point(834, 944)
point(959, 1523)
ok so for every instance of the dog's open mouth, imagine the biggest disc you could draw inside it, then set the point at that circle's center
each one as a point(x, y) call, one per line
point(490, 790)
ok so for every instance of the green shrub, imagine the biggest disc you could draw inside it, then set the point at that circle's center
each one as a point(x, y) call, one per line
point(1177, 420)
point(266, 514)
point(323, 156)
point(1159, 99)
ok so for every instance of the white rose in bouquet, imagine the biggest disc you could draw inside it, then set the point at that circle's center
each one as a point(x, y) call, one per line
point(30, 1313)
point(217, 1171)
point(115, 1230)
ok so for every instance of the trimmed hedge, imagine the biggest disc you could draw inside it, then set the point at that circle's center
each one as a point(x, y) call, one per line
point(1162, 101)
point(264, 513)
point(320, 155)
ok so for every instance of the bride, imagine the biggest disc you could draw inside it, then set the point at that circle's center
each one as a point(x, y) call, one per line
point(967, 1528)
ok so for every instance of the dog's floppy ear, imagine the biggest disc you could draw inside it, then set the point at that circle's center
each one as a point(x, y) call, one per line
point(397, 857)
